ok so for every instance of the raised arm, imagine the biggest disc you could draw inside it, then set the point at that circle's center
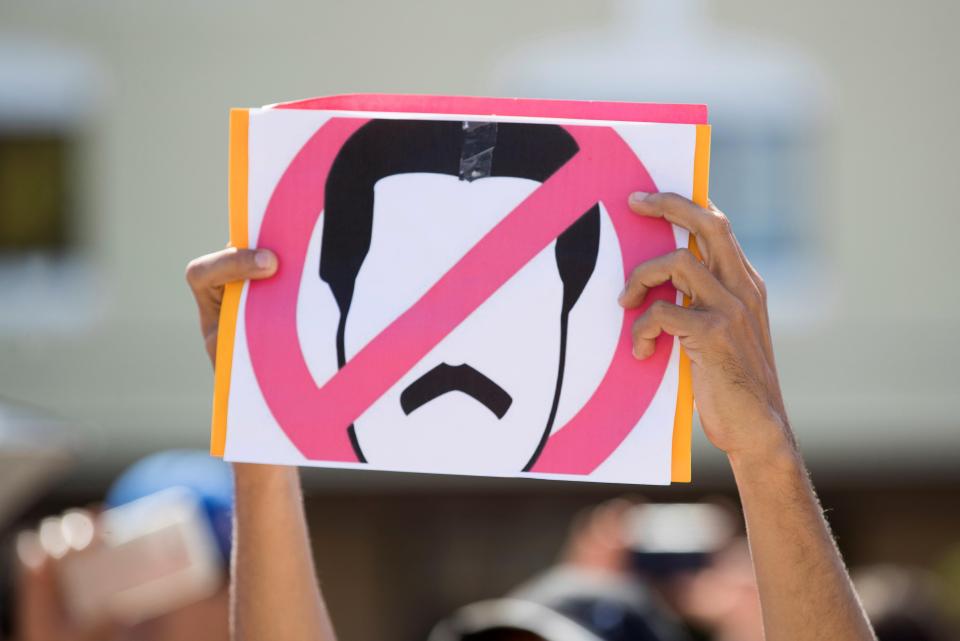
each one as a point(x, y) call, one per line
point(805, 592)
point(274, 590)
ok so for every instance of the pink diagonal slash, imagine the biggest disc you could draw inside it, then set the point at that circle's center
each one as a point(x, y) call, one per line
point(315, 418)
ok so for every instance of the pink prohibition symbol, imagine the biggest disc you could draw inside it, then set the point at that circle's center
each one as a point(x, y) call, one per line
point(316, 418)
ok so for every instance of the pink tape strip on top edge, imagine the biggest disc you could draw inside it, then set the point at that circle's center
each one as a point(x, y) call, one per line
point(519, 107)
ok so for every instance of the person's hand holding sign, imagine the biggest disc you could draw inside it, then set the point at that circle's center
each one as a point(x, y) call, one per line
point(268, 507)
point(724, 331)
point(805, 591)
point(208, 275)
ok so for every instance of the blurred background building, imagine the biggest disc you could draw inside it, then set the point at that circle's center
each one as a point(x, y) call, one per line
point(835, 138)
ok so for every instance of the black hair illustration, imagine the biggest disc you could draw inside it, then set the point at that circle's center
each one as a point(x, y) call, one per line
point(384, 148)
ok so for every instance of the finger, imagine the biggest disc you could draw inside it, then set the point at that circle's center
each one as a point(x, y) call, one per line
point(747, 265)
point(743, 257)
point(711, 227)
point(230, 265)
point(754, 286)
point(679, 267)
point(664, 317)
point(208, 274)
point(756, 297)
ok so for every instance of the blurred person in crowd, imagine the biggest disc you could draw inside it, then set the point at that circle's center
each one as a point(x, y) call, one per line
point(722, 598)
point(130, 591)
point(604, 588)
point(804, 588)
point(591, 594)
point(903, 603)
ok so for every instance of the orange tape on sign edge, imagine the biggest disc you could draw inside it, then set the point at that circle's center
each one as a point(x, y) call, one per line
point(683, 423)
point(230, 306)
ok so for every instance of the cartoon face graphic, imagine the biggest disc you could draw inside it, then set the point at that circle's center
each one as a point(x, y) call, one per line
point(490, 390)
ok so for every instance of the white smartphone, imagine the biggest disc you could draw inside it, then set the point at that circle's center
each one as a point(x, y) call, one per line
point(153, 555)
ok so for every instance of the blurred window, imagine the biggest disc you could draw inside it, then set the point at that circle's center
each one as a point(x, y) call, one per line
point(767, 111)
point(35, 198)
point(760, 177)
point(50, 96)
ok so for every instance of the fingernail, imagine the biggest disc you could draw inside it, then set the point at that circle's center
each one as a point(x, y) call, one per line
point(623, 292)
point(265, 259)
point(638, 197)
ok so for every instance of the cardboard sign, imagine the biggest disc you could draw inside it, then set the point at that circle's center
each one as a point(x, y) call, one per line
point(446, 299)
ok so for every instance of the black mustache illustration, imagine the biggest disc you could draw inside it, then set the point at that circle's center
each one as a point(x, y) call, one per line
point(446, 378)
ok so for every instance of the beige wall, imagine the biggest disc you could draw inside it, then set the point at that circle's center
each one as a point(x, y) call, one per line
point(881, 367)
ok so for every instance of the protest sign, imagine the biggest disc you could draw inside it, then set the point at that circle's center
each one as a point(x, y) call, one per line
point(446, 296)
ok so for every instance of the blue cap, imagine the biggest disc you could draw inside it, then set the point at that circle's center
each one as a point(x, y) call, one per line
point(208, 478)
